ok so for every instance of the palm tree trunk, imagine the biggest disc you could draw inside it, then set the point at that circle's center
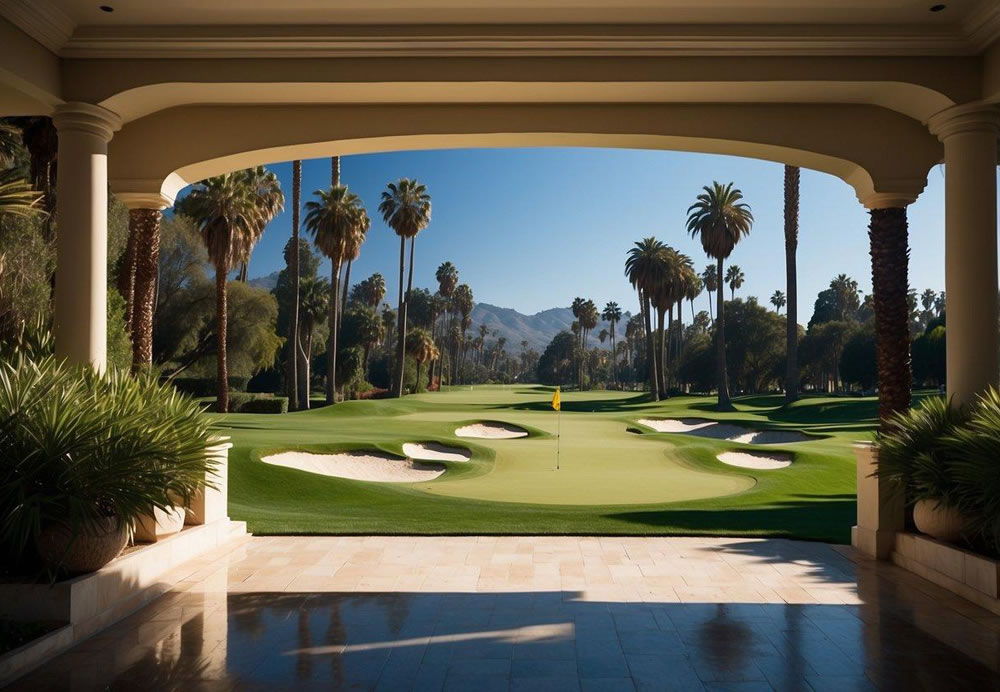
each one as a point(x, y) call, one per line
point(725, 403)
point(645, 307)
point(889, 252)
point(400, 322)
point(222, 365)
point(710, 315)
point(147, 261)
point(305, 366)
point(126, 277)
point(292, 370)
point(334, 171)
point(791, 284)
point(347, 286)
point(331, 352)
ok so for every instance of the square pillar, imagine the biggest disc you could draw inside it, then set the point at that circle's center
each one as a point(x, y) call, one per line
point(212, 504)
point(880, 508)
point(82, 246)
point(969, 133)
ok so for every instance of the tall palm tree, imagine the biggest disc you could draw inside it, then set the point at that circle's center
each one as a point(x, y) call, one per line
point(270, 200)
point(314, 297)
point(420, 346)
point(612, 314)
point(577, 308)
point(778, 301)
point(293, 271)
point(464, 303)
point(710, 278)
point(694, 288)
point(230, 216)
point(589, 318)
point(406, 209)
point(663, 294)
point(334, 220)
point(352, 250)
point(447, 278)
point(734, 279)
point(720, 219)
point(643, 266)
point(791, 284)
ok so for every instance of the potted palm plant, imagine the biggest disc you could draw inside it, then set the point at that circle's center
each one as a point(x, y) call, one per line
point(84, 456)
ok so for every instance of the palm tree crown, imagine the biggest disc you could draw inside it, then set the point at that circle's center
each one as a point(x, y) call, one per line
point(719, 219)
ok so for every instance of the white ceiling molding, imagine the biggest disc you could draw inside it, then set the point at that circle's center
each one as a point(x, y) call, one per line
point(983, 24)
point(471, 41)
point(41, 20)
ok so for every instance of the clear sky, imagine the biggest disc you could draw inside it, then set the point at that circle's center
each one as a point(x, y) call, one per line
point(530, 229)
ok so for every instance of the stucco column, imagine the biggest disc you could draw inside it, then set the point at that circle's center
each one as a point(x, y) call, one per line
point(82, 246)
point(969, 133)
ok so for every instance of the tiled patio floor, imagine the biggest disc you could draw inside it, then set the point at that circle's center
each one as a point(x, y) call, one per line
point(540, 613)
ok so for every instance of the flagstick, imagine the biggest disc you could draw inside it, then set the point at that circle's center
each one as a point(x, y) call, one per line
point(558, 438)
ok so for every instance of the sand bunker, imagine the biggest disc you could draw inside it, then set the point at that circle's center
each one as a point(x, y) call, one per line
point(755, 460)
point(432, 451)
point(358, 466)
point(723, 431)
point(491, 431)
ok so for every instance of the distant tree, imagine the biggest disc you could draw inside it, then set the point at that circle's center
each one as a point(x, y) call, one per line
point(734, 279)
point(710, 279)
point(838, 303)
point(612, 314)
point(778, 301)
point(555, 365)
point(720, 219)
point(858, 362)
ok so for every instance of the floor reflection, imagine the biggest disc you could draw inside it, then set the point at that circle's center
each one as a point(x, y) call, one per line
point(901, 634)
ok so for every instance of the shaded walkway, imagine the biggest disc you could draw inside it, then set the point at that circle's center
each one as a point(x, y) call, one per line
point(540, 613)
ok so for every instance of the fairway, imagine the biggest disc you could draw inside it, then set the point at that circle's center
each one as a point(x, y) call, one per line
point(616, 475)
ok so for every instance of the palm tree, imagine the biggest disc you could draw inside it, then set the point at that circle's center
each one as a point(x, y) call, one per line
point(447, 278)
point(643, 266)
point(463, 303)
point(293, 271)
point(334, 220)
point(589, 317)
point(720, 220)
point(694, 287)
point(16, 196)
point(791, 283)
point(352, 250)
point(778, 301)
point(406, 209)
point(939, 304)
point(370, 330)
point(314, 304)
point(612, 314)
point(420, 346)
point(270, 200)
point(710, 278)
point(734, 278)
point(230, 216)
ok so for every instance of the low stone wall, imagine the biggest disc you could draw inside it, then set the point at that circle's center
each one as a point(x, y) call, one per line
point(967, 574)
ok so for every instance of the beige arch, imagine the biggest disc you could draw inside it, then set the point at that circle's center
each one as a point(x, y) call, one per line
point(877, 151)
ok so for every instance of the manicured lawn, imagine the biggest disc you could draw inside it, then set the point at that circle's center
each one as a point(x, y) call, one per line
point(615, 476)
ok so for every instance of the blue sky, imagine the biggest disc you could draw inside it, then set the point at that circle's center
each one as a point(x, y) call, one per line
point(530, 229)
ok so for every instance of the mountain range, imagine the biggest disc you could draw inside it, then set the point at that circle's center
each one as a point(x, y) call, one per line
point(538, 329)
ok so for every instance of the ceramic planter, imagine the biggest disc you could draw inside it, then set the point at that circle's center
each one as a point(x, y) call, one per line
point(93, 546)
point(938, 521)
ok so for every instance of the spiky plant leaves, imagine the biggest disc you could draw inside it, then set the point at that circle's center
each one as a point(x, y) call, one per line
point(77, 446)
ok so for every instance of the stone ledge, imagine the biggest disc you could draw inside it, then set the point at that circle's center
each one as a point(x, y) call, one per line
point(91, 602)
point(967, 574)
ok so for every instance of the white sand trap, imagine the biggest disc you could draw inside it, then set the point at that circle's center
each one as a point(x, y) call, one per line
point(491, 431)
point(723, 431)
point(357, 466)
point(755, 460)
point(432, 451)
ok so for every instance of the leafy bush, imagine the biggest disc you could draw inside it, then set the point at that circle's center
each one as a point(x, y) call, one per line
point(265, 404)
point(77, 447)
point(205, 386)
point(942, 453)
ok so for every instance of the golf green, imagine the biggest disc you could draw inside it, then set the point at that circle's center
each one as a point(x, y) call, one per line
point(615, 475)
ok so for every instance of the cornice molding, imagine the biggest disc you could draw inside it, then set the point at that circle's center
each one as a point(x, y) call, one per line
point(41, 20)
point(500, 40)
point(983, 24)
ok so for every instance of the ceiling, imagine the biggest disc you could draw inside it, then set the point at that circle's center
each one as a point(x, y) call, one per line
point(238, 12)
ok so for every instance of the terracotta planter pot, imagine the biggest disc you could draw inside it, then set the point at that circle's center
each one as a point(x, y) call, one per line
point(938, 521)
point(151, 528)
point(92, 548)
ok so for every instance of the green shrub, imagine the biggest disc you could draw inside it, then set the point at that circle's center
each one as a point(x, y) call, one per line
point(942, 453)
point(265, 404)
point(205, 386)
point(77, 447)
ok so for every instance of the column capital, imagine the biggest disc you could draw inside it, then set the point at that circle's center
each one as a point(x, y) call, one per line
point(86, 118)
point(977, 117)
point(888, 200)
point(145, 200)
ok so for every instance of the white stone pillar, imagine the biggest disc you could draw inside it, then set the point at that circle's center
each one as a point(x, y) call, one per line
point(82, 226)
point(969, 133)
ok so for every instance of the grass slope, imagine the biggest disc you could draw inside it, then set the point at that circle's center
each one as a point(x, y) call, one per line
point(612, 481)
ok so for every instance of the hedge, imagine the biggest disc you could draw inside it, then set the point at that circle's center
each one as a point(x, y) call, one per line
point(205, 386)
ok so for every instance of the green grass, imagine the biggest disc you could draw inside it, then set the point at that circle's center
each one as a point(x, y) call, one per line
point(616, 477)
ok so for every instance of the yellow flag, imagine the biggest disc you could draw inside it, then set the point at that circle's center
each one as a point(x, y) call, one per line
point(556, 404)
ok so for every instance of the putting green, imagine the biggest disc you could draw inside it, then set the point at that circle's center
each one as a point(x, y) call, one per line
point(599, 464)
